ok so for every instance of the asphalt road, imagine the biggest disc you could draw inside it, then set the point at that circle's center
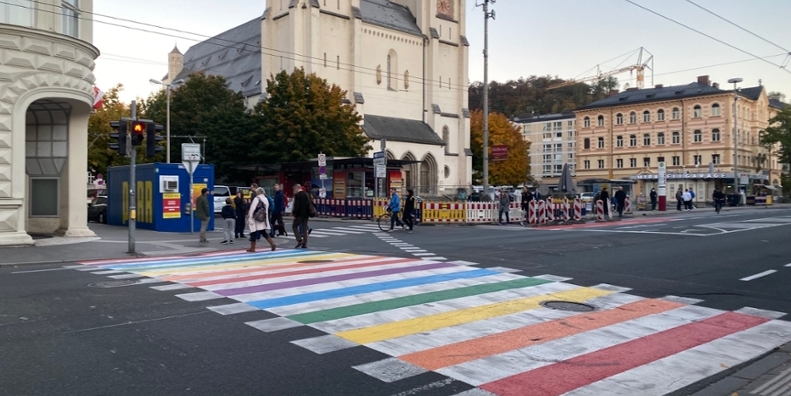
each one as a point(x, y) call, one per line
point(63, 333)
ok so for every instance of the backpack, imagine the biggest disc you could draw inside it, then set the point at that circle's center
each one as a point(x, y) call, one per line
point(260, 214)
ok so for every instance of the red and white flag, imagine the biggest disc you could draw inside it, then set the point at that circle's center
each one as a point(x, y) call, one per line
point(97, 98)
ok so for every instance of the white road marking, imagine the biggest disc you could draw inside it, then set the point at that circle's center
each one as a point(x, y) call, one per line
point(325, 344)
point(682, 300)
point(390, 370)
point(609, 287)
point(126, 276)
point(553, 278)
point(230, 309)
point(199, 296)
point(775, 383)
point(110, 272)
point(175, 286)
point(763, 313)
point(41, 270)
point(274, 324)
point(788, 265)
point(759, 275)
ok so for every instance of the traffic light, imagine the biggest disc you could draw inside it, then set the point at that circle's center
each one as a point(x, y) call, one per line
point(152, 138)
point(138, 132)
point(119, 133)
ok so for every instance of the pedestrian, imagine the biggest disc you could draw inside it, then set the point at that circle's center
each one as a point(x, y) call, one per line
point(719, 199)
point(679, 199)
point(526, 198)
point(278, 211)
point(259, 224)
point(687, 197)
point(409, 209)
point(692, 200)
point(395, 208)
point(229, 216)
point(241, 213)
point(202, 212)
point(653, 199)
point(605, 196)
point(505, 207)
point(620, 201)
point(301, 212)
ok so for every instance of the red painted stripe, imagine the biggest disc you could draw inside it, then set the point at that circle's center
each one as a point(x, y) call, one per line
point(323, 268)
point(565, 376)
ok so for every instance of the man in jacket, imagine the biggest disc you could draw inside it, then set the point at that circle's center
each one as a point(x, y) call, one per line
point(505, 203)
point(620, 199)
point(604, 195)
point(409, 209)
point(241, 213)
point(653, 199)
point(687, 197)
point(202, 212)
point(527, 196)
point(395, 209)
point(301, 213)
point(277, 213)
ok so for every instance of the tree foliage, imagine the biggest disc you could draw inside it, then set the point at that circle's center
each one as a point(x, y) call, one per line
point(303, 116)
point(513, 171)
point(778, 134)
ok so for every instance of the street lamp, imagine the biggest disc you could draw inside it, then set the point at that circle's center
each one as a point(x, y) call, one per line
point(167, 127)
point(735, 81)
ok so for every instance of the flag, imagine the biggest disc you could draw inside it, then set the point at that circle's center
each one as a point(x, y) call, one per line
point(97, 98)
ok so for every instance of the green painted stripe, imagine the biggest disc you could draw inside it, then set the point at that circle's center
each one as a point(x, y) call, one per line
point(406, 301)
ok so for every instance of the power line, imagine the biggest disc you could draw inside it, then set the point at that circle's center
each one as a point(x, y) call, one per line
point(719, 64)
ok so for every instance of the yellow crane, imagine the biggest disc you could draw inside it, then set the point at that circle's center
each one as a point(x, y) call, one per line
point(639, 67)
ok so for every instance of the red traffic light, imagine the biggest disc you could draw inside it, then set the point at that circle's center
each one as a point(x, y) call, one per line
point(138, 132)
point(139, 127)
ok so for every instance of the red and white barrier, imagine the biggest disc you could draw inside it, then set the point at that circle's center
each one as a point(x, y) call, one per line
point(599, 210)
point(542, 212)
point(478, 212)
point(627, 206)
point(578, 209)
point(550, 211)
point(565, 209)
point(532, 215)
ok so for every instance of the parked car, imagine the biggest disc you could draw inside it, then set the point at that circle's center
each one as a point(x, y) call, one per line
point(220, 193)
point(97, 209)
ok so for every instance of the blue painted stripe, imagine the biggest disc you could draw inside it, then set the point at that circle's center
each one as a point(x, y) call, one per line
point(208, 261)
point(369, 288)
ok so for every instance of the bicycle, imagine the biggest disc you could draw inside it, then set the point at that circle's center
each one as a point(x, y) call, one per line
point(384, 217)
point(718, 205)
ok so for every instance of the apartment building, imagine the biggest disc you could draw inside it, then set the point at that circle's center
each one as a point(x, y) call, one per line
point(47, 89)
point(553, 140)
point(688, 127)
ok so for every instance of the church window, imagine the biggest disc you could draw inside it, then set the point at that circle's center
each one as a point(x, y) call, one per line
point(392, 70)
point(406, 79)
point(446, 138)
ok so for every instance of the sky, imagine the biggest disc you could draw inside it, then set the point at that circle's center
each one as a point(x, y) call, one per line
point(564, 38)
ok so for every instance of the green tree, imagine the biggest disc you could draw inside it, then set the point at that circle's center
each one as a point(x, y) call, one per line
point(100, 156)
point(777, 137)
point(302, 116)
point(513, 171)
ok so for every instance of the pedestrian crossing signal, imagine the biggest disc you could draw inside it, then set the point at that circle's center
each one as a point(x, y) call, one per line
point(152, 138)
point(119, 133)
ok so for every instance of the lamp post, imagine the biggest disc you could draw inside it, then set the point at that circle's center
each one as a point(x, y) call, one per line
point(486, 15)
point(167, 126)
point(735, 81)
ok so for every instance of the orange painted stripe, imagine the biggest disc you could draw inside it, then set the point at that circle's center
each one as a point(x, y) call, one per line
point(465, 351)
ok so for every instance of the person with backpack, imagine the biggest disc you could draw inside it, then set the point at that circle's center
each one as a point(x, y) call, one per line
point(258, 220)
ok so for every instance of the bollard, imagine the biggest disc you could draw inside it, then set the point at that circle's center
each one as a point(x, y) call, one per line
point(599, 210)
point(565, 209)
point(531, 213)
point(578, 209)
point(542, 216)
point(627, 207)
point(550, 211)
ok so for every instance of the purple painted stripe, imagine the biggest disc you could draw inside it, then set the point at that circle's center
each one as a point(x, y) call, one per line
point(329, 279)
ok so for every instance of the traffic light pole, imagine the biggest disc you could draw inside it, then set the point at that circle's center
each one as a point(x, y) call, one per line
point(132, 187)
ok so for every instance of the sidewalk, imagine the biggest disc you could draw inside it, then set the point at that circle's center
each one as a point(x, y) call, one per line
point(768, 376)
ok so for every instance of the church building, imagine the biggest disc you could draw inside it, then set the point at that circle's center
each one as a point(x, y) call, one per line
point(404, 64)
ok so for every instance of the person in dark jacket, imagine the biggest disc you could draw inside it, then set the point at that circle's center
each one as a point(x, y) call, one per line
point(229, 217)
point(241, 212)
point(277, 213)
point(301, 213)
point(620, 199)
point(679, 199)
point(653, 199)
point(527, 196)
point(202, 212)
point(605, 196)
point(409, 209)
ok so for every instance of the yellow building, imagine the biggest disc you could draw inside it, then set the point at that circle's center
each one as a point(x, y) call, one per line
point(689, 127)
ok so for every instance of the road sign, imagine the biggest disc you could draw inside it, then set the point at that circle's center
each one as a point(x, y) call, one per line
point(379, 154)
point(190, 152)
point(322, 159)
point(322, 193)
point(499, 152)
point(323, 176)
point(381, 171)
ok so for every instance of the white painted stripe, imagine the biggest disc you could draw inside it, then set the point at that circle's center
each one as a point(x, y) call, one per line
point(609, 287)
point(788, 265)
point(682, 300)
point(427, 387)
point(475, 392)
point(553, 278)
point(126, 276)
point(274, 324)
point(390, 370)
point(345, 231)
point(674, 372)
point(177, 286)
point(408, 248)
point(149, 280)
point(772, 385)
point(73, 266)
point(199, 296)
point(418, 251)
point(401, 244)
point(761, 313)
point(88, 268)
point(435, 258)
point(504, 269)
point(106, 272)
point(351, 230)
point(462, 262)
point(423, 254)
point(758, 275)
point(320, 233)
point(231, 309)
point(495, 367)
point(450, 335)
point(325, 344)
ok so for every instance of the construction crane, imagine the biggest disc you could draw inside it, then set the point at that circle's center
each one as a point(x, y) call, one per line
point(639, 67)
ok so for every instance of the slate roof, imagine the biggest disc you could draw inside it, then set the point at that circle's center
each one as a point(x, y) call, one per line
point(389, 15)
point(752, 93)
point(777, 104)
point(400, 130)
point(527, 119)
point(234, 54)
point(655, 94)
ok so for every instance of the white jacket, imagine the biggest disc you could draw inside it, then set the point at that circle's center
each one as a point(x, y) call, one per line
point(258, 225)
point(686, 196)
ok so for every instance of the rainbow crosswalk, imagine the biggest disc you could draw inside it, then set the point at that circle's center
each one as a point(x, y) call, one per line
point(485, 327)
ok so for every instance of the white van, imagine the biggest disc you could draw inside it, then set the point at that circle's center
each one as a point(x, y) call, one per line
point(220, 193)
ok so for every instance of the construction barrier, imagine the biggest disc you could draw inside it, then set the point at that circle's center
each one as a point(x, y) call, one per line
point(532, 217)
point(515, 212)
point(436, 212)
point(359, 208)
point(550, 211)
point(542, 212)
point(578, 205)
point(565, 210)
point(379, 207)
point(599, 210)
point(627, 207)
point(478, 212)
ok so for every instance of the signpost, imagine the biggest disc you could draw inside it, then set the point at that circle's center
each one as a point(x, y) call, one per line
point(662, 186)
point(380, 171)
point(499, 152)
point(190, 157)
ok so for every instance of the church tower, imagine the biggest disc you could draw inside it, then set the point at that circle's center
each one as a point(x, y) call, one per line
point(175, 65)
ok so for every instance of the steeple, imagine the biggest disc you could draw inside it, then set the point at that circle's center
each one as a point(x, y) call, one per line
point(176, 50)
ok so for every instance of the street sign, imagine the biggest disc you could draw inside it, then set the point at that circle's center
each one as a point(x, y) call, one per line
point(381, 170)
point(190, 152)
point(499, 152)
point(323, 176)
point(322, 193)
point(379, 154)
point(322, 160)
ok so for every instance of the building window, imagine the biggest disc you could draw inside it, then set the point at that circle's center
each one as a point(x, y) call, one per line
point(586, 164)
point(715, 135)
point(570, 155)
point(697, 136)
point(71, 17)
point(586, 144)
point(547, 148)
point(660, 138)
point(619, 163)
point(547, 169)
point(619, 141)
point(715, 159)
point(633, 162)
point(660, 159)
point(586, 122)
point(646, 162)
point(600, 120)
point(676, 113)
point(571, 134)
point(676, 160)
point(660, 115)
point(632, 140)
point(446, 138)
point(647, 139)
point(17, 12)
point(44, 197)
point(632, 118)
point(619, 119)
point(697, 112)
point(715, 109)
point(646, 116)
point(570, 125)
point(601, 164)
point(558, 168)
point(559, 147)
point(698, 159)
point(559, 135)
point(547, 136)
point(571, 146)
point(601, 142)
point(547, 158)
point(676, 138)
point(558, 126)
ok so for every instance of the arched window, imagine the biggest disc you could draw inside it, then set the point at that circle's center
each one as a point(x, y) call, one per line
point(660, 138)
point(697, 112)
point(632, 118)
point(600, 120)
point(586, 122)
point(619, 119)
point(619, 141)
point(446, 138)
point(632, 140)
point(586, 144)
point(392, 71)
point(676, 138)
point(647, 139)
point(715, 135)
point(676, 113)
point(601, 142)
point(660, 115)
point(646, 116)
point(715, 109)
point(697, 136)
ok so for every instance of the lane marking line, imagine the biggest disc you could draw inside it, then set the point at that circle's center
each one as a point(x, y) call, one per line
point(758, 275)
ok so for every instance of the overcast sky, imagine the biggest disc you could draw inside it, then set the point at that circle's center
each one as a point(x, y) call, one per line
point(566, 38)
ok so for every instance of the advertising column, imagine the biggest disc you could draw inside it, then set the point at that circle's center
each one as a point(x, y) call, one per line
point(662, 187)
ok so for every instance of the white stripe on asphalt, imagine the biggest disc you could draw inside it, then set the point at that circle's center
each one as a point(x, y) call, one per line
point(231, 309)
point(345, 231)
point(788, 265)
point(110, 272)
point(126, 276)
point(274, 324)
point(199, 296)
point(325, 344)
point(759, 275)
point(390, 370)
point(175, 286)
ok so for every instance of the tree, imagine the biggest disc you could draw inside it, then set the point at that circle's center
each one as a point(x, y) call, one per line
point(513, 171)
point(779, 134)
point(100, 156)
point(302, 116)
point(776, 95)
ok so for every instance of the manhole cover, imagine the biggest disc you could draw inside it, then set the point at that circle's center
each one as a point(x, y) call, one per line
point(315, 261)
point(568, 306)
point(115, 283)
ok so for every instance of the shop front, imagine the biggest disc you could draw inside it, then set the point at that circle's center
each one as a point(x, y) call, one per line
point(702, 183)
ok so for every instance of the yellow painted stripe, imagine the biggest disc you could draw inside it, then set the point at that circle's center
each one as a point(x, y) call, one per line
point(263, 262)
point(467, 315)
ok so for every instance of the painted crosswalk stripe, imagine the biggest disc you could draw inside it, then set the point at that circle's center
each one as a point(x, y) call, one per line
point(176, 286)
point(230, 309)
point(341, 230)
point(199, 296)
point(125, 276)
point(210, 266)
point(207, 264)
point(324, 344)
point(758, 275)
point(390, 370)
point(107, 272)
point(351, 230)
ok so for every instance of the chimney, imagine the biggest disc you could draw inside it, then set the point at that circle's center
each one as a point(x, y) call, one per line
point(704, 80)
point(613, 92)
point(715, 85)
point(659, 86)
point(631, 89)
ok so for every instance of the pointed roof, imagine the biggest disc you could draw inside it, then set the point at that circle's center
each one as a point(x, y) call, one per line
point(175, 50)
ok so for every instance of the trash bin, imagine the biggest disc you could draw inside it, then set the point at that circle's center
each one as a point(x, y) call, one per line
point(733, 199)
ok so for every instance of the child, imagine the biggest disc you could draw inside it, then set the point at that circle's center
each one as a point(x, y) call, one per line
point(229, 215)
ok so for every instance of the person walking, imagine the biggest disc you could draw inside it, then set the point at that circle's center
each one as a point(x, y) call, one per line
point(679, 199)
point(605, 196)
point(241, 213)
point(505, 207)
point(620, 201)
point(410, 202)
point(229, 216)
point(719, 199)
point(277, 213)
point(527, 196)
point(395, 209)
point(687, 197)
point(654, 198)
point(202, 212)
point(259, 225)
point(301, 213)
